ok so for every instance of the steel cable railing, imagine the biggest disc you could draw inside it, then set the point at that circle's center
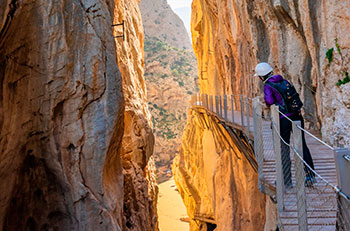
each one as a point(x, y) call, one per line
point(306, 195)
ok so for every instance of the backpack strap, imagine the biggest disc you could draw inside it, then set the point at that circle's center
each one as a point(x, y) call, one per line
point(284, 107)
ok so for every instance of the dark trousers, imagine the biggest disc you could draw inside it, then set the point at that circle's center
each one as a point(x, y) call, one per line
point(285, 130)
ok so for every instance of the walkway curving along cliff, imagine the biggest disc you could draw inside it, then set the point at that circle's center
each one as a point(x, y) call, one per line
point(313, 201)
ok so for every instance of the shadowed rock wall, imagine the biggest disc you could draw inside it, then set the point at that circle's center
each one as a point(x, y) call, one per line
point(62, 116)
point(140, 188)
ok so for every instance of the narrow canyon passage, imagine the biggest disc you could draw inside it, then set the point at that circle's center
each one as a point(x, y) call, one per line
point(96, 127)
point(171, 78)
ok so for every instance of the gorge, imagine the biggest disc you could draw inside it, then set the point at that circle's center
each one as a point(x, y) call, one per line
point(77, 137)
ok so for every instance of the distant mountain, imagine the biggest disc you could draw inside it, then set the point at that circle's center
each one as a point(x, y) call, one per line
point(171, 73)
point(185, 14)
point(159, 21)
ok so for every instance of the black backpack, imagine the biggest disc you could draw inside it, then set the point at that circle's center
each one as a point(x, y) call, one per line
point(290, 97)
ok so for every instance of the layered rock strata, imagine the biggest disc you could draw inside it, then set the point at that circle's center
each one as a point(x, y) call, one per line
point(231, 37)
point(140, 188)
point(215, 178)
point(63, 113)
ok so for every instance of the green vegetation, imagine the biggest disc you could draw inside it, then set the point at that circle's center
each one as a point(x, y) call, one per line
point(171, 59)
point(345, 80)
point(337, 46)
point(153, 46)
point(164, 122)
point(169, 65)
point(330, 56)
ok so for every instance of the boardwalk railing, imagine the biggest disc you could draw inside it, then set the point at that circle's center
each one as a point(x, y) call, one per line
point(308, 197)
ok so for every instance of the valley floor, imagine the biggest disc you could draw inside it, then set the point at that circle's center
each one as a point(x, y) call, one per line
point(171, 208)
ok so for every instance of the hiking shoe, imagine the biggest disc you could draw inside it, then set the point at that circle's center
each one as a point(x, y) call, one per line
point(310, 181)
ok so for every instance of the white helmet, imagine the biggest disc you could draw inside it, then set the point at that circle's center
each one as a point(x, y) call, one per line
point(263, 69)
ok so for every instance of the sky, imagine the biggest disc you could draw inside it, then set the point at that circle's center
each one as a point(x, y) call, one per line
point(183, 9)
point(179, 3)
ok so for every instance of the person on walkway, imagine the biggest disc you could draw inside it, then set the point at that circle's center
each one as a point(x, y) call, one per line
point(280, 92)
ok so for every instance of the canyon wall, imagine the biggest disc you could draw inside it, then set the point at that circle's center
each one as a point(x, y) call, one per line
point(69, 91)
point(215, 179)
point(140, 188)
point(230, 37)
point(170, 74)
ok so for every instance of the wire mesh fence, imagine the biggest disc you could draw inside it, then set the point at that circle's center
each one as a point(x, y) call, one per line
point(303, 186)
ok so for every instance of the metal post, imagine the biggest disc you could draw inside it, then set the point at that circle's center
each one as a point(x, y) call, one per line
point(199, 99)
point(342, 162)
point(202, 100)
point(300, 177)
point(232, 109)
point(193, 100)
point(217, 104)
point(248, 115)
point(220, 98)
point(211, 103)
point(242, 113)
point(206, 101)
point(278, 156)
point(225, 106)
point(258, 140)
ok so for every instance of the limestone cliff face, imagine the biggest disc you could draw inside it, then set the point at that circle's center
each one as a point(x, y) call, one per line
point(61, 118)
point(231, 37)
point(140, 189)
point(215, 179)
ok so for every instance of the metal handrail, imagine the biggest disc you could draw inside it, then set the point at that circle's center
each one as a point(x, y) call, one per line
point(217, 108)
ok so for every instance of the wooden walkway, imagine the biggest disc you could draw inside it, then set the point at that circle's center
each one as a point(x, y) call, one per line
point(321, 198)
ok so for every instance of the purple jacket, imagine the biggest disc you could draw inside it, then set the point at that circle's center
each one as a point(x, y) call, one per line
point(271, 95)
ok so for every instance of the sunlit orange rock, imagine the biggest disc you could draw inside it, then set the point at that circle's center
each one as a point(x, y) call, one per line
point(140, 188)
point(230, 38)
point(216, 181)
point(76, 143)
